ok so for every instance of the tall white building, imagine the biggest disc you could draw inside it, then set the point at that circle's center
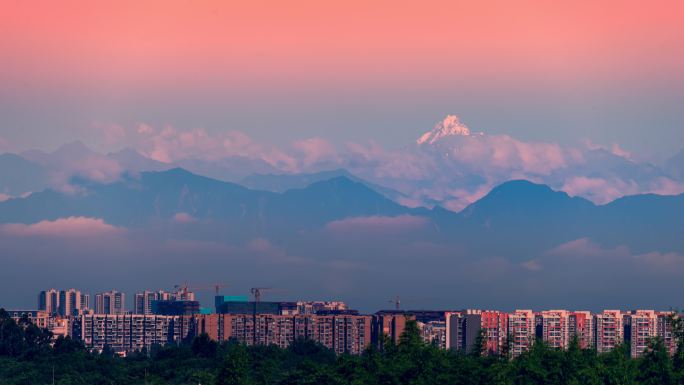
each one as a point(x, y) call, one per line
point(72, 302)
point(111, 302)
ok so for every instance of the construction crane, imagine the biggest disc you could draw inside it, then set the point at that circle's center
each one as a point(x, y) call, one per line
point(396, 301)
point(184, 288)
point(256, 292)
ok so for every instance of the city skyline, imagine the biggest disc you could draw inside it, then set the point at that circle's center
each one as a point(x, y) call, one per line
point(342, 329)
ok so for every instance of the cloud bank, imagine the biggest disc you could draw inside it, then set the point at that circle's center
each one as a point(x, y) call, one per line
point(71, 227)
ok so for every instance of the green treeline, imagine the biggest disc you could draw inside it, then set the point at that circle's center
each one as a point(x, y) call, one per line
point(28, 357)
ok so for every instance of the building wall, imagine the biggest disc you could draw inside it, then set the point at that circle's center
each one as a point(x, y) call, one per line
point(555, 328)
point(131, 332)
point(581, 326)
point(495, 330)
point(111, 302)
point(609, 330)
point(341, 333)
point(643, 328)
point(521, 330)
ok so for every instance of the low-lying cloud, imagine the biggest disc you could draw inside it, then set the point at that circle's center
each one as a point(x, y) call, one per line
point(361, 225)
point(71, 227)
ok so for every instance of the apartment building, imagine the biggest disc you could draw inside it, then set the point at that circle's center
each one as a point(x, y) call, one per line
point(72, 302)
point(643, 328)
point(521, 331)
point(494, 327)
point(555, 328)
point(143, 300)
point(48, 301)
point(609, 330)
point(433, 333)
point(389, 323)
point(581, 326)
point(110, 302)
point(131, 332)
point(342, 333)
point(664, 331)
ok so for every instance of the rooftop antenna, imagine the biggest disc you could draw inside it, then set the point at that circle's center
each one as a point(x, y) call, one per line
point(396, 301)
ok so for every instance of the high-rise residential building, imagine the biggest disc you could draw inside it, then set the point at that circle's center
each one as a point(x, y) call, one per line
point(48, 301)
point(581, 326)
point(85, 302)
point(643, 328)
point(144, 300)
point(390, 324)
point(463, 328)
point(521, 331)
point(71, 302)
point(555, 328)
point(494, 330)
point(111, 302)
point(349, 334)
point(664, 330)
point(609, 330)
point(132, 332)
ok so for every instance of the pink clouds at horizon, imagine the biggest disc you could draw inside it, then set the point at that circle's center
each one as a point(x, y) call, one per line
point(71, 227)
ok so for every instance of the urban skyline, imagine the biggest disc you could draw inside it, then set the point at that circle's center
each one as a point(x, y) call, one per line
point(238, 318)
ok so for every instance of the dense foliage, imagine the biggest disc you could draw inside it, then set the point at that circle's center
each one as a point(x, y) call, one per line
point(27, 357)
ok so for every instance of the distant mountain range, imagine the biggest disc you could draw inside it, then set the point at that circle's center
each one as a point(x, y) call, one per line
point(516, 219)
point(449, 166)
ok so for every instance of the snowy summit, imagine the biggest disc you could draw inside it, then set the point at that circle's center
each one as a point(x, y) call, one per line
point(450, 126)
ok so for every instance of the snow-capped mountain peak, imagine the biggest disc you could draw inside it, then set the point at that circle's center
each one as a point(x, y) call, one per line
point(450, 126)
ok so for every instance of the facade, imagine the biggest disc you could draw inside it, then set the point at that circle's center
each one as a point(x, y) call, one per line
point(132, 332)
point(463, 328)
point(644, 324)
point(521, 331)
point(433, 333)
point(390, 324)
point(342, 333)
point(555, 328)
point(494, 325)
point(111, 302)
point(581, 326)
point(59, 326)
point(39, 318)
point(65, 303)
point(71, 302)
point(664, 331)
point(609, 330)
point(143, 301)
point(239, 307)
point(175, 307)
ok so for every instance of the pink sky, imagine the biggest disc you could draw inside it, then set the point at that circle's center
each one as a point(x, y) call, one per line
point(179, 43)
